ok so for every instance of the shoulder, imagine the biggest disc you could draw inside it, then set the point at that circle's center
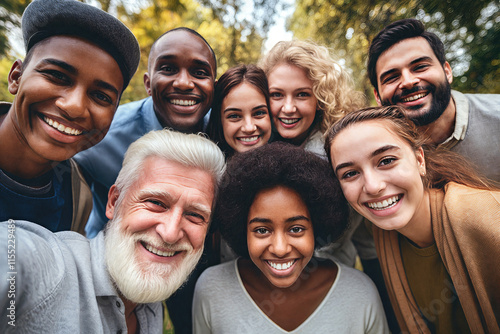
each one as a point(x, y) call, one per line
point(43, 260)
point(461, 200)
point(217, 276)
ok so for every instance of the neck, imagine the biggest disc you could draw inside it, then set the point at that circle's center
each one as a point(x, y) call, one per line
point(442, 128)
point(16, 156)
point(419, 228)
point(130, 316)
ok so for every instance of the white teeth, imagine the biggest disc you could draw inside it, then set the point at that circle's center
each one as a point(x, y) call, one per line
point(385, 204)
point(248, 139)
point(158, 252)
point(289, 120)
point(183, 102)
point(414, 97)
point(281, 266)
point(66, 129)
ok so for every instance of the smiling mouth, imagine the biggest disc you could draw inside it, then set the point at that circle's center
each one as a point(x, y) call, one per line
point(385, 204)
point(248, 139)
point(158, 252)
point(179, 102)
point(281, 266)
point(414, 97)
point(289, 120)
point(61, 128)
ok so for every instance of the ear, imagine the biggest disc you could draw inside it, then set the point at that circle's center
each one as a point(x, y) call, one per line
point(147, 83)
point(419, 154)
point(113, 195)
point(377, 98)
point(14, 77)
point(448, 72)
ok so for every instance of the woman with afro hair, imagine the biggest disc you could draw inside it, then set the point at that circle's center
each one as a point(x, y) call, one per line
point(276, 205)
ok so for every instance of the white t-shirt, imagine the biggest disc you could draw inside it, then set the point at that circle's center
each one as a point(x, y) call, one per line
point(222, 305)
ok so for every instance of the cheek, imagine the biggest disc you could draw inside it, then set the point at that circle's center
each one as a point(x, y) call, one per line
point(264, 124)
point(275, 108)
point(350, 192)
point(228, 129)
point(196, 235)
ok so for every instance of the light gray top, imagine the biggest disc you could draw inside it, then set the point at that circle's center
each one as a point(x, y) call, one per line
point(62, 285)
point(477, 131)
point(222, 305)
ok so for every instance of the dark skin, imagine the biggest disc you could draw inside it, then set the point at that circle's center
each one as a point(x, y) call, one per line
point(131, 318)
point(289, 307)
point(65, 99)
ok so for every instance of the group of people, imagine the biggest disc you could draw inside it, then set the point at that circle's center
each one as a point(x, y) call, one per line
point(239, 205)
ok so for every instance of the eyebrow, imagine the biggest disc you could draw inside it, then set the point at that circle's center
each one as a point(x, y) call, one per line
point(268, 221)
point(414, 61)
point(205, 210)
point(373, 154)
point(238, 109)
point(197, 61)
point(72, 70)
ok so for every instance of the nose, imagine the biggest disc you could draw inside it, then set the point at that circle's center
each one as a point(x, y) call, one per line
point(280, 245)
point(183, 80)
point(374, 183)
point(248, 125)
point(170, 228)
point(73, 103)
point(288, 105)
point(408, 79)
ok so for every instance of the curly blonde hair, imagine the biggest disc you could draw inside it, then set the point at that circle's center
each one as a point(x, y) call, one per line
point(332, 86)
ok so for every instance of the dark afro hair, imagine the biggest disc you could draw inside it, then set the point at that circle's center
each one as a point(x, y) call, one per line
point(279, 164)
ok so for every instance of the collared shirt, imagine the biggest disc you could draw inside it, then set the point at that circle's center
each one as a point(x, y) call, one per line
point(476, 135)
point(102, 163)
point(61, 285)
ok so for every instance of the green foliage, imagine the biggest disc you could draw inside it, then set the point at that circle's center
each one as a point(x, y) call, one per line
point(348, 26)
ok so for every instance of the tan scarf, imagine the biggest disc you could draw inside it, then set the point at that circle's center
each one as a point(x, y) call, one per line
point(466, 227)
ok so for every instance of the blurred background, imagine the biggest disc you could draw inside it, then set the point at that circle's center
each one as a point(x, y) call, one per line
point(240, 31)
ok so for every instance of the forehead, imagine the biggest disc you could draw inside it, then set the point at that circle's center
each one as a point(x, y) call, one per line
point(403, 52)
point(79, 52)
point(364, 136)
point(247, 89)
point(286, 70)
point(182, 43)
point(180, 181)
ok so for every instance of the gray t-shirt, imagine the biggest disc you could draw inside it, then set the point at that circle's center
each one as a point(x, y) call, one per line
point(222, 305)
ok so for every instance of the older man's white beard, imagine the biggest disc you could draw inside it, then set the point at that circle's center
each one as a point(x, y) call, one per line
point(144, 282)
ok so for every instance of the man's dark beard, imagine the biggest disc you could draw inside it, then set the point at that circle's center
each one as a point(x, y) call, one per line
point(441, 95)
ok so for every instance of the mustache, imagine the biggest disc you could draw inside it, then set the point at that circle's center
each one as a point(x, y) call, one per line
point(397, 97)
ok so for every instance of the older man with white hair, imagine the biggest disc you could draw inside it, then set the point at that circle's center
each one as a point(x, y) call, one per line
point(159, 210)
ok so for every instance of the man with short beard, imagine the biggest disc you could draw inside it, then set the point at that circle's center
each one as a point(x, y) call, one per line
point(407, 67)
point(159, 210)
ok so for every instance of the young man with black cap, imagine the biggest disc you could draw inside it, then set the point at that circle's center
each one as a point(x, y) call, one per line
point(79, 60)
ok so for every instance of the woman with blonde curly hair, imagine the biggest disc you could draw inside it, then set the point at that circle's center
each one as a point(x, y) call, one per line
point(309, 92)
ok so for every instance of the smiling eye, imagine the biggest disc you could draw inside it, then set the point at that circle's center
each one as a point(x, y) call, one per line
point(349, 174)
point(275, 95)
point(296, 229)
point(387, 161)
point(56, 76)
point(155, 203)
point(201, 73)
point(233, 117)
point(261, 112)
point(261, 230)
point(103, 98)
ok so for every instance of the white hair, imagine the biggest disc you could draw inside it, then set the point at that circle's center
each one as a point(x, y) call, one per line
point(190, 150)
